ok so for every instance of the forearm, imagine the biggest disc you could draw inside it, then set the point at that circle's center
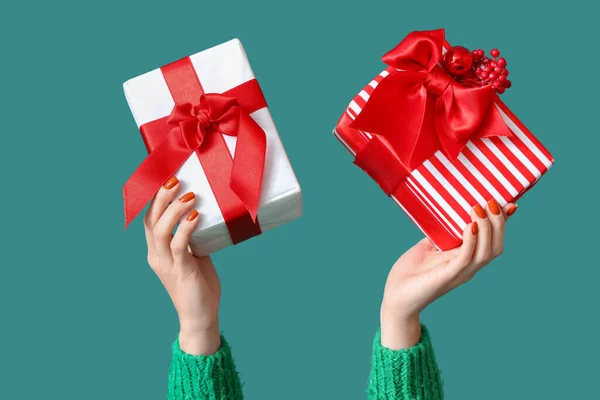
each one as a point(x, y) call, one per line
point(210, 377)
point(406, 374)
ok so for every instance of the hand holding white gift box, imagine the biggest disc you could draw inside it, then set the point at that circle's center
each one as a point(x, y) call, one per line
point(204, 117)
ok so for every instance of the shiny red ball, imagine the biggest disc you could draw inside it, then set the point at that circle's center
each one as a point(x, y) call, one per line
point(500, 90)
point(502, 62)
point(495, 52)
point(498, 70)
point(507, 83)
point(458, 61)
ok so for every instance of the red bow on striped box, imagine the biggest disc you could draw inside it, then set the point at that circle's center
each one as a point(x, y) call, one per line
point(439, 140)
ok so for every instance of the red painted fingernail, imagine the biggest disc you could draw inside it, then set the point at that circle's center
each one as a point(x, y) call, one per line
point(192, 215)
point(474, 228)
point(494, 207)
point(511, 210)
point(479, 211)
point(187, 197)
point(170, 184)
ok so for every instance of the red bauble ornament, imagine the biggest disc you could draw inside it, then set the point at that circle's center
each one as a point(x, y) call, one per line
point(458, 61)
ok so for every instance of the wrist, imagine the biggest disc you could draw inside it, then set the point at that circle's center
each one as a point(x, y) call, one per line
point(399, 332)
point(196, 342)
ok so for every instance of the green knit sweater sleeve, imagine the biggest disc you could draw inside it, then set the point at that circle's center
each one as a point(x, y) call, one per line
point(211, 377)
point(410, 374)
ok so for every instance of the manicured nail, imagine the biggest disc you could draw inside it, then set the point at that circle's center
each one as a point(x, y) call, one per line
point(474, 228)
point(479, 211)
point(187, 197)
point(494, 207)
point(192, 215)
point(511, 210)
point(170, 184)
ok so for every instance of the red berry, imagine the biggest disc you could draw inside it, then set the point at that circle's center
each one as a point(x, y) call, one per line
point(500, 90)
point(493, 64)
point(507, 83)
point(496, 85)
point(505, 72)
point(495, 52)
point(498, 70)
point(493, 76)
point(485, 74)
point(502, 78)
point(502, 62)
point(487, 68)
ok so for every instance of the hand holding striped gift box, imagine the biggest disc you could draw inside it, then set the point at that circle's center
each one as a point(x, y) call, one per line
point(433, 133)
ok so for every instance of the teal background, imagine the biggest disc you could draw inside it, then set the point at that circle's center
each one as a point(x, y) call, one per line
point(83, 316)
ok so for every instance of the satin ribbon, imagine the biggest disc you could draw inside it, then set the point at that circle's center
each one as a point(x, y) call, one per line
point(196, 128)
point(419, 109)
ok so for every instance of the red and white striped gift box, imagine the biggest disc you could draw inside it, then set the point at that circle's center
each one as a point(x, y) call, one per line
point(439, 194)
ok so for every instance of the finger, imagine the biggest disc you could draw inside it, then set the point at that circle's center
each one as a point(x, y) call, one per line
point(509, 210)
point(483, 250)
point(463, 255)
point(181, 240)
point(497, 221)
point(164, 196)
point(163, 230)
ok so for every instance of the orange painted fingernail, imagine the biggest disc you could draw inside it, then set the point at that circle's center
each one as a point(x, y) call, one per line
point(479, 211)
point(187, 197)
point(170, 184)
point(192, 215)
point(494, 207)
point(474, 228)
point(511, 210)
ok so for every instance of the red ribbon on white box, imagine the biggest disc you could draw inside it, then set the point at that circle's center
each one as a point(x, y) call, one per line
point(195, 126)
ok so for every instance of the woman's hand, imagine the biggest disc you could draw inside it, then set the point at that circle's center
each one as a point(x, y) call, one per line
point(192, 282)
point(423, 274)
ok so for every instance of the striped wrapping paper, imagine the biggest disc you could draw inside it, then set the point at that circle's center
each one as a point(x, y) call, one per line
point(439, 194)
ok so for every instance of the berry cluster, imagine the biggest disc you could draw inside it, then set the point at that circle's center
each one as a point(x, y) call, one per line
point(491, 71)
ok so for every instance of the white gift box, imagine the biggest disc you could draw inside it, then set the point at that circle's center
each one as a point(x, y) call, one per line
point(219, 69)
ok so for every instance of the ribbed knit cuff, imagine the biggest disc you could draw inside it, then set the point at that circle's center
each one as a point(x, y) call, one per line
point(204, 377)
point(405, 374)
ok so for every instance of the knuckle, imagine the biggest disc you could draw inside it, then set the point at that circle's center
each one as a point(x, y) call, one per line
point(485, 254)
point(499, 251)
point(159, 232)
point(177, 246)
